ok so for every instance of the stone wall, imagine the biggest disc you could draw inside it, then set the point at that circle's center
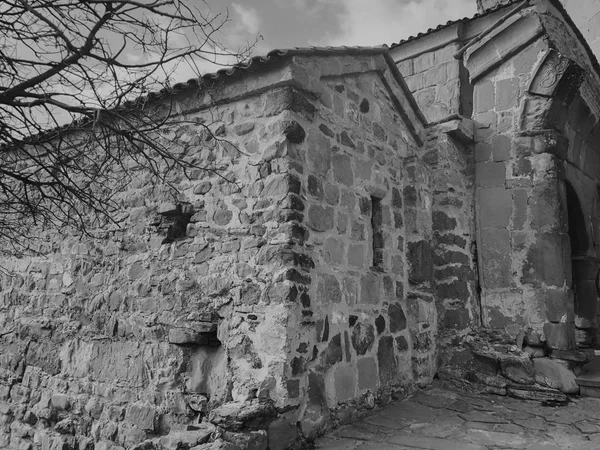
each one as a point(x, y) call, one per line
point(286, 288)
point(368, 325)
point(434, 78)
point(147, 328)
point(454, 244)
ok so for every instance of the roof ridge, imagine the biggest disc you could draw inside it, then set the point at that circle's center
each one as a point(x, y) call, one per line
point(453, 22)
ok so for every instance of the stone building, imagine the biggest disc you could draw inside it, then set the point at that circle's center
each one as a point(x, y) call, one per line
point(378, 216)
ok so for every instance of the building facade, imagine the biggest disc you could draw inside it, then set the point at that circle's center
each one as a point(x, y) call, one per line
point(371, 217)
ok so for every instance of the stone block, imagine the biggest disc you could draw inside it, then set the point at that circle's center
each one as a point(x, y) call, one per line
point(545, 261)
point(579, 356)
point(456, 289)
point(434, 76)
point(320, 218)
point(554, 374)
point(315, 187)
point(415, 82)
point(501, 147)
point(406, 67)
point(517, 368)
point(363, 336)
point(495, 207)
point(423, 62)
point(344, 379)
point(334, 251)
point(484, 96)
point(316, 415)
point(442, 222)
point(545, 204)
point(483, 152)
point(356, 255)
point(456, 319)
point(367, 374)
point(507, 93)
point(520, 209)
point(370, 289)
point(397, 318)
point(496, 257)
point(141, 415)
point(328, 289)
point(342, 169)
point(386, 358)
point(333, 354)
point(446, 54)
point(490, 174)
point(559, 305)
point(318, 155)
point(420, 262)
point(332, 194)
point(560, 336)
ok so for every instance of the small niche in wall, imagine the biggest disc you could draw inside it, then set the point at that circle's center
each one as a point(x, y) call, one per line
point(376, 226)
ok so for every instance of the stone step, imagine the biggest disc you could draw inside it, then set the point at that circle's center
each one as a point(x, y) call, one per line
point(589, 380)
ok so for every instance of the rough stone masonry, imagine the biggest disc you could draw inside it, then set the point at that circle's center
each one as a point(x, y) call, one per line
point(375, 217)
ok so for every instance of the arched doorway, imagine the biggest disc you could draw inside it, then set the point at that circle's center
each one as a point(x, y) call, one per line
point(585, 270)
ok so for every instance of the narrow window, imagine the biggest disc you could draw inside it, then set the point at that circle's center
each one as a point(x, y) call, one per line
point(376, 225)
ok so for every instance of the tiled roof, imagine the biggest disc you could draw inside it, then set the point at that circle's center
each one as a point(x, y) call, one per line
point(453, 22)
point(257, 62)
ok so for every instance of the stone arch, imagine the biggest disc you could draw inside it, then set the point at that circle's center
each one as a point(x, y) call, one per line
point(553, 86)
point(544, 112)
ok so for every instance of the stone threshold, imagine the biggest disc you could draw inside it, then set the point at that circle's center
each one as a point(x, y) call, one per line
point(589, 381)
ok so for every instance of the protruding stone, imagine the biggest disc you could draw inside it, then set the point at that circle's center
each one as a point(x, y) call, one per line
point(554, 374)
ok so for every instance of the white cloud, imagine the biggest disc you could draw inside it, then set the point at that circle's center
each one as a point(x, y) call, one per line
point(246, 19)
point(377, 22)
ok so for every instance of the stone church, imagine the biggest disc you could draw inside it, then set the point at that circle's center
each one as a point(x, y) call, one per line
point(377, 217)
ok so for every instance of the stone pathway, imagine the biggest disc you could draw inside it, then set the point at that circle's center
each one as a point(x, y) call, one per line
point(442, 417)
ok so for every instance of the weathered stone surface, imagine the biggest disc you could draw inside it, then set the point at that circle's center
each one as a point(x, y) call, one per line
point(363, 336)
point(495, 206)
point(141, 415)
point(342, 169)
point(320, 218)
point(345, 379)
point(388, 365)
point(233, 415)
point(396, 317)
point(555, 374)
point(187, 439)
point(281, 434)
point(333, 353)
point(560, 336)
point(316, 415)
point(370, 289)
point(545, 261)
point(367, 373)
point(496, 258)
point(329, 288)
point(519, 368)
point(420, 260)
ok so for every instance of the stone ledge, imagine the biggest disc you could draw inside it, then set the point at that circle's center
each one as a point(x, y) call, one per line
point(458, 127)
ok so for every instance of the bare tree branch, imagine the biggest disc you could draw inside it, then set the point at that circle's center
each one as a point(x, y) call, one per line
point(71, 136)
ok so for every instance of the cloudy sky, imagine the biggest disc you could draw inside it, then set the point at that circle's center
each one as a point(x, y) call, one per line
point(298, 23)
